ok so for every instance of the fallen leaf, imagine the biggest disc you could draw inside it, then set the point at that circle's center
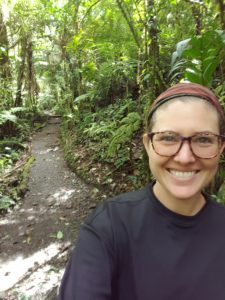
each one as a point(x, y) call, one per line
point(59, 235)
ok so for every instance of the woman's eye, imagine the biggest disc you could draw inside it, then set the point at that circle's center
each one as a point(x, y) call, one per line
point(167, 138)
point(204, 140)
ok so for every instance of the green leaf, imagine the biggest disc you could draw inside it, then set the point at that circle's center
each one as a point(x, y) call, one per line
point(202, 55)
point(7, 116)
point(81, 98)
point(181, 46)
point(6, 202)
point(192, 76)
point(146, 77)
point(59, 235)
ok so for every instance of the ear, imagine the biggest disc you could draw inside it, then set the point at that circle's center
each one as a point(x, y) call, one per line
point(146, 143)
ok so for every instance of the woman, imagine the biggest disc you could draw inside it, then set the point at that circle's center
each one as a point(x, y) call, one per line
point(166, 241)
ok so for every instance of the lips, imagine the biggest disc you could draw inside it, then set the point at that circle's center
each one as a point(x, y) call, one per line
point(182, 174)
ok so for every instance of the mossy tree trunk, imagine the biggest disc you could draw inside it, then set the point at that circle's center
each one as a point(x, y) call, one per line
point(32, 86)
point(5, 68)
point(21, 72)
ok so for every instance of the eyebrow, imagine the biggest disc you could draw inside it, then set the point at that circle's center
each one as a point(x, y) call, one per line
point(196, 132)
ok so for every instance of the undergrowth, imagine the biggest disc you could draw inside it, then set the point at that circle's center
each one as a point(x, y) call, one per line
point(16, 126)
point(107, 141)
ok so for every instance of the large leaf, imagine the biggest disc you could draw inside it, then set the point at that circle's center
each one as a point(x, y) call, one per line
point(181, 46)
point(7, 116)
point(82, 98)
point(201, 54)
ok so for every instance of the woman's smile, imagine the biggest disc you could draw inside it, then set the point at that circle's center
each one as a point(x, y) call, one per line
point(182, 174)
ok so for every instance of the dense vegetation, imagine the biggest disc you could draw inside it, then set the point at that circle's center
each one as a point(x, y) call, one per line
point(99, 64)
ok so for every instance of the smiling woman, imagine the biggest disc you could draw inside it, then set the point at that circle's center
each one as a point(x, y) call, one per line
point(165, 241)
point(184, 168)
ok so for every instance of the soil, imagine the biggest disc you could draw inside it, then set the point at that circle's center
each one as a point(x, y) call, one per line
point(37, 236)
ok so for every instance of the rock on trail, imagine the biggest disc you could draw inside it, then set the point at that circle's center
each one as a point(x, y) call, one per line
point(37, 236)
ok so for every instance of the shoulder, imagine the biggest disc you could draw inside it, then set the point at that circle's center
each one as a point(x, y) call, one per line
point(217, 212)
point(217, 207)
point(120, 212)
point(130, 198)
point(120, 204)
point(114, 219)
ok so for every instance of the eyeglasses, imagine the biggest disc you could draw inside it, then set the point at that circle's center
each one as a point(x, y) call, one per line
point(202, 145)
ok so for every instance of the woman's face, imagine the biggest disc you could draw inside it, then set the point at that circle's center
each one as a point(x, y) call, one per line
point(183, 176)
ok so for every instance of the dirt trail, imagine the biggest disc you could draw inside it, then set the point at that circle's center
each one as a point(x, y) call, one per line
point(37, 236)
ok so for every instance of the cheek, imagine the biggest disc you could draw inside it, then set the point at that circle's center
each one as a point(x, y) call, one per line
point(156, 161)
point(211, 166)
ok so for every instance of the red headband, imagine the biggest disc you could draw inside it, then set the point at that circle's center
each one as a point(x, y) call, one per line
point(187, 89)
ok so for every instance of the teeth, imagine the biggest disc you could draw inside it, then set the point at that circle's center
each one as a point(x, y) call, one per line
point(182, 174)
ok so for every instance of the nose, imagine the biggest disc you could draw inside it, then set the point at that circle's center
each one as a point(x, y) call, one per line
point(185, 154)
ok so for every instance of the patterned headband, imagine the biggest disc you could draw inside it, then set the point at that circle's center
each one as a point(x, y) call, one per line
point(183, 90)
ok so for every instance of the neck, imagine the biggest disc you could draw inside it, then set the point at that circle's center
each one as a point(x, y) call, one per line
point(183, 206)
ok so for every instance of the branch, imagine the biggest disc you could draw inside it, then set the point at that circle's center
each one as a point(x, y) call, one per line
point(138, 11)
point(127, 17)
point(89, 9)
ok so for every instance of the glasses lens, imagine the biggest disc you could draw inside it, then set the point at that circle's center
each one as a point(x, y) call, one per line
point(166, 143)
point(205, 145)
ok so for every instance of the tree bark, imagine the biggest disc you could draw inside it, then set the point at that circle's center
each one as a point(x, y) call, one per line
point(221, 5)
point(21, 73)
point(129, 21)
point(5, 67)
point(4, 58)
point(152, 55)
point(32, 85)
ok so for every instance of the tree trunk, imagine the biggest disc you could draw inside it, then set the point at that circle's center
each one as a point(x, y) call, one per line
point(21, 73)
point(221, 5)
point(198, 19)
point(129, 20)
point(152, 56)
point(5, 68)
point(32, 85)
point(4, 44)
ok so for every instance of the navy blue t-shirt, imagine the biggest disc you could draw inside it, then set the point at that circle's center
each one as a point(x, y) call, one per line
point(134, 248)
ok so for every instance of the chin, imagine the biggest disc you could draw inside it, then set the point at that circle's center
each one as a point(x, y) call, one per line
point(185, 193)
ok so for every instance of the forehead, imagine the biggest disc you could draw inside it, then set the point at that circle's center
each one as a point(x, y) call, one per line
point(186, 114)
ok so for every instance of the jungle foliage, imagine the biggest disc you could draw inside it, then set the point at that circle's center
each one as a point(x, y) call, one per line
point(99, 64)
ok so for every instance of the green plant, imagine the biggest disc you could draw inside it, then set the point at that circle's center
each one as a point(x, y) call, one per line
point(7, 158)
point(197, 58)
point(123, 135)
point(7, 116)
point(115, 79)
point(6, 202)
point(99, 130)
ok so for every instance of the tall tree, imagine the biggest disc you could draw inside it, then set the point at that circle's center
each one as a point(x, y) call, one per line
point(5, 67)
point(21, 71)
point(221, 6)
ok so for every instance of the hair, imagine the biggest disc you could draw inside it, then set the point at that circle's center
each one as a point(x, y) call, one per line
point(151, 121)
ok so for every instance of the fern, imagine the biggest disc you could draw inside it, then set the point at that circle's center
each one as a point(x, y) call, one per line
point(7, 116)
point(102, 129)
point(129, 125)
point(6, 202)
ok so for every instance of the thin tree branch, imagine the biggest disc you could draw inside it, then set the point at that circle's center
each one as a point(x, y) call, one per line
point(128, 18)
point(89, 9)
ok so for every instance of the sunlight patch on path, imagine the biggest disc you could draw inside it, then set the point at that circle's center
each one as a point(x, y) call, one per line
point(14, 270)
point(40, 283)
point(48, 150)
point(62, 195)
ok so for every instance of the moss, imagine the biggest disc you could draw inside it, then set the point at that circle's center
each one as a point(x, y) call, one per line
point(15, 186)
point(22, 187)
